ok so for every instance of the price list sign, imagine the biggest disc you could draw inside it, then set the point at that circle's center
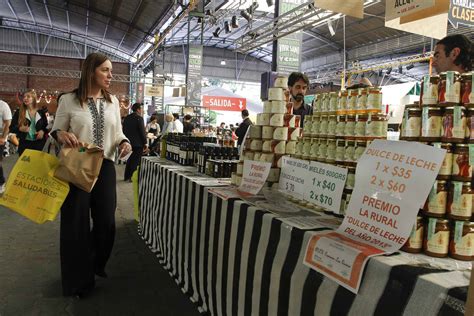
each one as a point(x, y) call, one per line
point(325, 184)
point(293, 177)
point(392, 180)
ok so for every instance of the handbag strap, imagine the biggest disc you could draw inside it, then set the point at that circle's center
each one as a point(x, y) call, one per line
point(50, 141)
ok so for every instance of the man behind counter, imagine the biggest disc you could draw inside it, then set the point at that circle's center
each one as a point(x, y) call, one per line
point(298, 85)
point(453, 53)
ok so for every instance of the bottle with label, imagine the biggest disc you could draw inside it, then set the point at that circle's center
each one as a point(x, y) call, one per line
point(431, 124)
point(436, 237)
point(414, 243)
point(462, 169)
point(411, 124)
point(429, 89)
point(461, 245)
point(435, 205)
point(446, 169)
point(467, 93)
point(450, 88)
point(459, 205)
point(453, 128)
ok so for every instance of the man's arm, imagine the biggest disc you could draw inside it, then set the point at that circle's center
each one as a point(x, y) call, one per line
point(6, 130)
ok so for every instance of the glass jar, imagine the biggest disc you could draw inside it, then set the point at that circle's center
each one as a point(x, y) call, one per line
point(436, 237)
point(361, 106)
point(317, 103)
point(323, 126)
point(332, 103)
point(332, 125)
point(340, 150)
point(459, 201)
point(361, 122)
point(414, 243)
point(461, 244)
point(349, 128)
point(350, 182)
point(314, 149)
point(341, 104)
point(340, 126)
point(470, 123)
point(308, 125)
point(411, 124)
point(429, 90)
point(467, 93)
point(299, 149)
point(451, 84)
point(431, 124)
point(453, 127)
point(376, 126)
point(315, 125)
point(462, 170)
point(435, 205)
point(447, 167)
point(352, 101)
point(306, 149)
point(374, 100)
point(322, 151)
point(349, 153)
point(325, 103)
point(359, 149)
point(331, 151)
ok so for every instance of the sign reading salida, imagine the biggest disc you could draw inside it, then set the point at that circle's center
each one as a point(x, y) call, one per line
point(217, 103)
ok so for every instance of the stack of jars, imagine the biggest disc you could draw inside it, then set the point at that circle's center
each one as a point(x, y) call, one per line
point(341, 127)
point(274, 135)
point(444, 121)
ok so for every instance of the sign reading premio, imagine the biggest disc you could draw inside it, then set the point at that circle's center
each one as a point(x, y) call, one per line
point(217, 103)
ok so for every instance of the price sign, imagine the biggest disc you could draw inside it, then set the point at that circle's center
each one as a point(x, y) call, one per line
point(254, 176)
point(325, 185)
point(293, 177)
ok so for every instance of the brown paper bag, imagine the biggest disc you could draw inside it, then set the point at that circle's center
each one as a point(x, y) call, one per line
point(80, 166)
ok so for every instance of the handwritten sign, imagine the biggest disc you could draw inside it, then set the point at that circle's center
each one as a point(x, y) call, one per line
point(254, 175)
point(392, 180)
point(293, 176)
point(325, 184)
point(339, 258)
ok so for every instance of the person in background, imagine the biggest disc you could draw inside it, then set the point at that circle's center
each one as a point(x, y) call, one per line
point(30, 124)
point(221, 128)
point(134, 129)
point(188, 126)
point(453, 53)
point(169, 125)
point(298, 85)
point(152, 129)
point(177, 123)
point(5, 120)
point(89, 114)
point(242, 129)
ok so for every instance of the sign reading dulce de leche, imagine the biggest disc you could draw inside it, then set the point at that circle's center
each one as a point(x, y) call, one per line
point(392, 180)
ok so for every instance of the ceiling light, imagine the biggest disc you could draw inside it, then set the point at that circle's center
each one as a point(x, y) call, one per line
point(223, 62)
point(269, 3)
point(389, 70)
point(400, 69)
point(227, 27)
point(380, 73)
point(217, 32)
point(253, 7)
point(235, 22)
point(246, 15)
point(410, 66)
point(331, 28)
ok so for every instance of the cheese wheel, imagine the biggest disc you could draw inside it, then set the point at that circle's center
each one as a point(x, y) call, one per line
point(240, 168)
point(293, 133)
point(267, 132)
point(277, 119)
point(267, 146)
point(277, 161)
point(267, 157)
point(256, 144)
point(257, 156)
point(291, 147)
point(238, 180)
point(280, 133)
point(255, 132)
point(248, 155)
point(274, 175)
point(278, 107)
point(267, 106)
point(289, 120)
point(275, 94)
point(233, 178)
point(281, 82)
point(263, 119)
point(278, 147)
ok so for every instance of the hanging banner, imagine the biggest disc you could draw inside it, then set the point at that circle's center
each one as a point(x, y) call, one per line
point(289, 47)
point(217, 103)
point(254, 175)
point(353, 8)
point(398, 8)
point(193, 79)
point(461, 12)
point(154, 91)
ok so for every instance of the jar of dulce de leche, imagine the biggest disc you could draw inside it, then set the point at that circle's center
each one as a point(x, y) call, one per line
point(459, 205)
point(446, 169)
point(429, 90)
point(461, 245)
point(462, 170)
point(411, 124)
point(414, 243)
point(376, 126)
point(453, 128)
point(470, 123)
point(431, 118)
point(435, 205)
point(349, 128)
point(449, 93)
point(340, 126)
point(467, 93)
point(436, 237)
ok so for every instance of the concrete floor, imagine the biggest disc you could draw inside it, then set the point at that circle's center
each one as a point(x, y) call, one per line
point(30, 281)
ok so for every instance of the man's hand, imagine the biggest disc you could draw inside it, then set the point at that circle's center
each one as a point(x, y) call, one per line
point(40, 135)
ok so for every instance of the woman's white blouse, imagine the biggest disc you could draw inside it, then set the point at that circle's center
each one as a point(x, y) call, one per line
point(77, 119)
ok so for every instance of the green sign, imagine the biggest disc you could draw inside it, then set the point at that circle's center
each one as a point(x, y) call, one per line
point(289, 47)
point(193, 95)
point(461, 12)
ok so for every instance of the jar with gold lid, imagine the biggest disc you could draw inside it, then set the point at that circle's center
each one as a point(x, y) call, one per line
point(317, 103)
point(307, 149)
point(349, 128)
point(361, 122)
point(361, 106)
point(359, 149)
point(453, 127)
point(332, 125)
point(308, 125)
point(351, 104)
point(459, 205)
point(462, 169)
point(332, 103)
point(376, 126)
point(461, 245)
point(435, 205)
point(436, 237)
point(314, 149)
point(414, 243)
point(446, 169)
point(429, 90)
point(340, 126)
point(449, 89)
point(315, 125)
point(325, 103)
point(374, 100)
point(349, 153)
point(431, 118)
point(340, 151)
point(341, 103)
point(323, 126)
point(331, 151)
point(322, 151)
point(411, 124)
point(467, 93)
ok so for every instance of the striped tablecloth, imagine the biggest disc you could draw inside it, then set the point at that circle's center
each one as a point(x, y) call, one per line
point(231, 258)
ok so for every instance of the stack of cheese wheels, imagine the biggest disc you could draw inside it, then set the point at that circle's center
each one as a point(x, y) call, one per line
point(275, 133)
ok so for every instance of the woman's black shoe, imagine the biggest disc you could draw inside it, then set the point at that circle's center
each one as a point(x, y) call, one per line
point(101, 273)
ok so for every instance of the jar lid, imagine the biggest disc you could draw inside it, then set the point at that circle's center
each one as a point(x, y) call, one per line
point(333, 93)
point(433, 108)
point(462, 145)
point(375, 88)
point(442, 181)
point(464, 184)
point(467, 74)
point(452, 107)
point(443, 144)
point(439, 220)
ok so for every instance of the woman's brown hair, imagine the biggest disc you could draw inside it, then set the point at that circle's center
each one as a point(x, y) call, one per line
point(91, 62)
point(23, 107)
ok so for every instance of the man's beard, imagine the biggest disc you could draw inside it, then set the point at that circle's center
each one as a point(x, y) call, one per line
point(299, 97)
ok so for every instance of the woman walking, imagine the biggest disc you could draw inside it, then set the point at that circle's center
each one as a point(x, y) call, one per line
point(89, 114)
